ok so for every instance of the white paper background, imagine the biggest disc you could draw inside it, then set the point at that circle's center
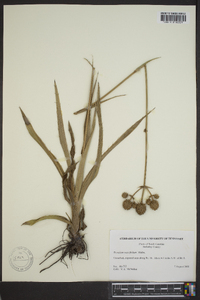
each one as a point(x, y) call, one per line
point(43, 43)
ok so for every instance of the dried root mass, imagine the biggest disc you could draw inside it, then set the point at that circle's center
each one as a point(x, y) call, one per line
point(74, 247)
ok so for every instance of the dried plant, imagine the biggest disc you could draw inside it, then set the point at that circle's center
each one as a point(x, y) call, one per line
point(75, 187)
point(152, 199)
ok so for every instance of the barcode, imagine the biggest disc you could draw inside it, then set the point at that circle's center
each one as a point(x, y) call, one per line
point(173, 17)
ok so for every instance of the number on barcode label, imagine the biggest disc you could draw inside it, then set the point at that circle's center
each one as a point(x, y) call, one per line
point(173, 17)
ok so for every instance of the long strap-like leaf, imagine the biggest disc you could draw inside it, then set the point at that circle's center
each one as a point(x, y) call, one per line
point(61, 130)
point(123, 136)
point(115, 87)
point(41, 143)
point(119, 140)
point(87, 125)
point(54, 217)
point(94, 171)
point(72, 151)
point(80, 174)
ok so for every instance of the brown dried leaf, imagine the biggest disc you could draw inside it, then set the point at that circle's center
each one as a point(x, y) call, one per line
point(94, 171)
point(80, 174)
point(72, 151)
point(123, 136)
point(88, 113)
point(126, 78)
point(82, 224)
point(94, 103)
point(71, 195)
point(68, 182)
point(54, 217)
point(61, 130)
point(119, 140)
point(41, 143)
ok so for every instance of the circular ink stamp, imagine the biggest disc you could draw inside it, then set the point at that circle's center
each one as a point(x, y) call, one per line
point(21, 259)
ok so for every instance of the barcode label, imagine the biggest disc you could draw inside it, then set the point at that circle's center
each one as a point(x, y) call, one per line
point(173, 17)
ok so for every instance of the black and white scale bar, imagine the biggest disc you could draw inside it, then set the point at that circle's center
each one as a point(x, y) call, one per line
point(127, 290)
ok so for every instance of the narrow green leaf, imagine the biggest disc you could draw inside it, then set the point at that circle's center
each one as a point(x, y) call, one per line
point(54, 217)
point(41, 143)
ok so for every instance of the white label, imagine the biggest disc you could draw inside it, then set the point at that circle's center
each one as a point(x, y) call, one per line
point(173, 17)
point(151, 255)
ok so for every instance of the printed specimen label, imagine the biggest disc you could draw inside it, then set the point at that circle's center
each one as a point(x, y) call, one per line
point(151, 255)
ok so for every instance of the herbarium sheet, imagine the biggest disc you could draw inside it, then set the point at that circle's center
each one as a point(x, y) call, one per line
point(99, 143)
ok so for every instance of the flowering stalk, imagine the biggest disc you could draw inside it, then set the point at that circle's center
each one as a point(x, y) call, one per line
point(152, 199)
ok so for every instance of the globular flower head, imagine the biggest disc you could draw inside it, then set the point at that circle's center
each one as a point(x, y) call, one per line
point(140, 208)
point(148, 201)
point(154, 204)
point(125, 195)
point(127, 204)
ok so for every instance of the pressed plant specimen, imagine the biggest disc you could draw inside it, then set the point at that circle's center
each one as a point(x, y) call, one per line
point(152, 199)
point(74, 181)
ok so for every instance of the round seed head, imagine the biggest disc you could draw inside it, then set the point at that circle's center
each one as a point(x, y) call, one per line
point(156, 196)
point(140, 208)
point(154, 204)
point(125, 195)
point(148, 201)
point(127, 204)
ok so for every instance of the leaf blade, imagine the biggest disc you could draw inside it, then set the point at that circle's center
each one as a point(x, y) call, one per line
point(94, 103)
point(94, 171)
point(88, 110)
point(80, 173)
point(120, 83)
point(61, 130)
point(52, 217)
point(41, 143)
point(123, 136)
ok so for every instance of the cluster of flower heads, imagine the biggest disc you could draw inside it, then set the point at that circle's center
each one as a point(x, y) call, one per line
point(140, 207)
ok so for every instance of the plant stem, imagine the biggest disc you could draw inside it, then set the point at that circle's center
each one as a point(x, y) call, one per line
point(146, 133)
point(149, 192)
point(136, 192)
point(76, 208)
